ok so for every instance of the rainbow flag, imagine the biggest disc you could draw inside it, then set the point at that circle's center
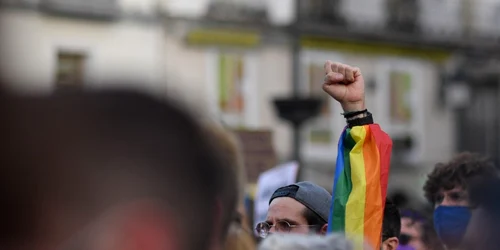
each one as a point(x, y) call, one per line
point(360, 184)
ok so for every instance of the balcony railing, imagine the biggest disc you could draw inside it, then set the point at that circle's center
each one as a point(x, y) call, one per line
point(325, 11)
point(236, 11)
point(97, 9)
point(402, 15)
point(444, 19)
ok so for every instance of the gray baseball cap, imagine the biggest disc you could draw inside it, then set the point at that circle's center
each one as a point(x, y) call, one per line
point(314, 197)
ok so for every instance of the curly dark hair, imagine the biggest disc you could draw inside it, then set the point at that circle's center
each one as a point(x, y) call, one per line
point(459, 172)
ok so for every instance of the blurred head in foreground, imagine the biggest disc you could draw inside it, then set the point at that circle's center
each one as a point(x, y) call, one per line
point(483, 230)
point(108, 170)
point(446, 188)
point(239, 234)
point(307, 242)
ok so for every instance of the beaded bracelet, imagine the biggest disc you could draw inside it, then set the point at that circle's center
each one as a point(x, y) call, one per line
point(352, 114)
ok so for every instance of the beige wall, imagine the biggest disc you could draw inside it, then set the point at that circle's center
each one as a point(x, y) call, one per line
point(116, 51)
point(191, 8)
point(275, 81)
point(191, 78)
point(186, 74)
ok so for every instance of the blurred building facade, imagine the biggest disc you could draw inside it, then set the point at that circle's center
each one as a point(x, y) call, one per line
point(230, 58)
point(50, 43)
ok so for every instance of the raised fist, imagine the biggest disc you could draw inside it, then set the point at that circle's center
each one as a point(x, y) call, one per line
point(346, 85)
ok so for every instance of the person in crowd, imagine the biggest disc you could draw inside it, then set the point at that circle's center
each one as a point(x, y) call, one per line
point(417, 233)
point(483, 230)
point(391, 226)
point(304, 207)
point(412, 229)
point(240, 235)
point(363, 160)
point(307, 242)
point(446, 188)
point(109, 170)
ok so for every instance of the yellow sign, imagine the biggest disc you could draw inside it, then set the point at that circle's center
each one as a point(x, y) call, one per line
point(367, 48)
point(224, 37)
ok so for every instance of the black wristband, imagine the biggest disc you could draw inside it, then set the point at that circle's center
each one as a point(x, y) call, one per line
point(367, 120)
point(354, 113)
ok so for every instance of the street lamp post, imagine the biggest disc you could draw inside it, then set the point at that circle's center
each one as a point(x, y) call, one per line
point(297, 111)
point(296, 49)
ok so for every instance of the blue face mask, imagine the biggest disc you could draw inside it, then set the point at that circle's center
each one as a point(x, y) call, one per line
point(451, 223)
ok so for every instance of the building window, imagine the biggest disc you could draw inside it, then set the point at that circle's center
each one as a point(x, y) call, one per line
point(231, 98)
point(233, 88)
point(400, 86)
point(400, 99)
point(70, 70)
point(321, 10)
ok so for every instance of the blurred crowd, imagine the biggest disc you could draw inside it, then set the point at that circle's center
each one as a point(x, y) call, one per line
point(115, 169)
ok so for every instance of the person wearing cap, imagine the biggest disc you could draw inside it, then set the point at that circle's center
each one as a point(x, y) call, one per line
point(298, 208)
point(304, 207)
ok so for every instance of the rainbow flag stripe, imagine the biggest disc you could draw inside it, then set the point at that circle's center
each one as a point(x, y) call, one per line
point(360, 184)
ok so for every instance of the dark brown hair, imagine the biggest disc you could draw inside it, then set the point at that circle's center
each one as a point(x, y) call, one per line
point(233, 182)
point(459, 172)
point(91, 150)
